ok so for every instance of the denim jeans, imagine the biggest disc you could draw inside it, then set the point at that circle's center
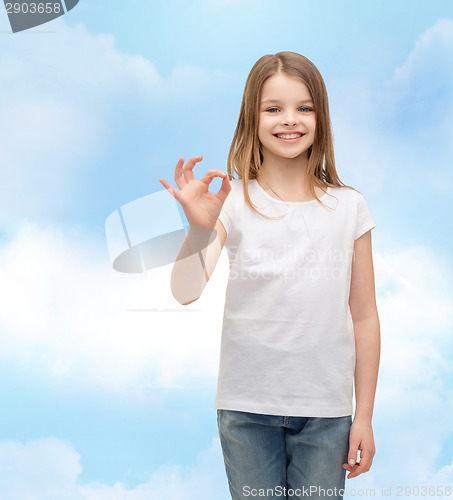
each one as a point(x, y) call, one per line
point(269, 456)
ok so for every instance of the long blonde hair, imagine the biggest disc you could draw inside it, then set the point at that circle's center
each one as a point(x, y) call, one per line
point(245, 157)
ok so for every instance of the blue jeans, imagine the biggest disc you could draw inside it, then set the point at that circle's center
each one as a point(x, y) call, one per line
point(269, 456)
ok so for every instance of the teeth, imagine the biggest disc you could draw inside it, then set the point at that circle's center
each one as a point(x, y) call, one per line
point(289, 136)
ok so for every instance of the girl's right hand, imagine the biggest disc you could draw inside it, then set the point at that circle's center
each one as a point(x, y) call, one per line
point(201, 207)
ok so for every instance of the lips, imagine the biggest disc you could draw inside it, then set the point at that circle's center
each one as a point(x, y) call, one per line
point(289, 135)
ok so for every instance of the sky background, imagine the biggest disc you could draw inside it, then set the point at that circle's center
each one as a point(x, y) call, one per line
point(104, 395)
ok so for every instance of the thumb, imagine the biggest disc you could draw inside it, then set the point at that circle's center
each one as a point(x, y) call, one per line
point(225, 189)
point(352, 455)
point(170, 189)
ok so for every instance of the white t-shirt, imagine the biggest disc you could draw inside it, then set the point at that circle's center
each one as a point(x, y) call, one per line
point(287, 343)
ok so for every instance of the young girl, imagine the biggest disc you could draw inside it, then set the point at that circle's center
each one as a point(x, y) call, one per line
point(300, 320)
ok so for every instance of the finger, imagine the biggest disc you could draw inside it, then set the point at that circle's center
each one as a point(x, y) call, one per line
point(169, 188)
point(210, 174)
point(179, 179)
point(225, 189)
point(188, 169)
point(357, 469)
point(352, 455)
point(365, 461)
point(350, 468)
point(364, 465)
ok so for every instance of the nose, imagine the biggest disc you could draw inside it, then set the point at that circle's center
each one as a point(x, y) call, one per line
point(290, 119)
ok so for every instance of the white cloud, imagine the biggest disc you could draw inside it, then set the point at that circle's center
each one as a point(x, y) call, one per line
point(48, 469)
point(430, 64)
point(65, 311)
point(419, 93)
point(418, 100)
point(43, 462)
point(414, 399)
point(444, 475)
point(416, 292)
point(398, 131)
point(66, 98)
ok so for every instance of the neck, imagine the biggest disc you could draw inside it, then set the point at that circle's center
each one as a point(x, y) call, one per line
point(284, 174)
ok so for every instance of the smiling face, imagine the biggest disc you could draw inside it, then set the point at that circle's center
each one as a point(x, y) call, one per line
point(287, 119)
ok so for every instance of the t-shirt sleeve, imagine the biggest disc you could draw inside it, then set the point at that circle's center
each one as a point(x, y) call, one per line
point(227, 213)
point(365, 220)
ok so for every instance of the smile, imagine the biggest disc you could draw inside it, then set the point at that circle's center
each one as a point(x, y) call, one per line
point(289, 137)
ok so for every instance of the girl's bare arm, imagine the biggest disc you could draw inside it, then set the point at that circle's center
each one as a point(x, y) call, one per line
point(196, 262)
point(362, 303)
point(204, 242)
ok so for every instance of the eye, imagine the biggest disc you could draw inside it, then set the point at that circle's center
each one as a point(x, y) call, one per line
point(304, 109)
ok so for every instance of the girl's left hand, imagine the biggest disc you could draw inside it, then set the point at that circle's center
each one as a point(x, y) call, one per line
point(360, 438)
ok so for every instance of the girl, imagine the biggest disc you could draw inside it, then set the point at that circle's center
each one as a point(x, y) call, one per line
point(300, 320)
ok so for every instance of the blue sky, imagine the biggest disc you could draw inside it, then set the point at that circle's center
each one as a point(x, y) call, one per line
point(104, 397)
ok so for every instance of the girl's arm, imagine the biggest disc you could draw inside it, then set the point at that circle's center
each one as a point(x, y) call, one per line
point(204, 241)
point(362, 303)
point(196, 262)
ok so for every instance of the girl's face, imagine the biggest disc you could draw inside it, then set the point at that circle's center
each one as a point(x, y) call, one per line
point(287, 119)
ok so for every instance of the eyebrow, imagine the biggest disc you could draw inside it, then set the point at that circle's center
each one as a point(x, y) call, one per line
point(279, 102)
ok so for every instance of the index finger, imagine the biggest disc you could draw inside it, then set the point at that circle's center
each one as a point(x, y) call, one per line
point(360, 467)
point(353, 470)
point(188, 169)
point(179, 179)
